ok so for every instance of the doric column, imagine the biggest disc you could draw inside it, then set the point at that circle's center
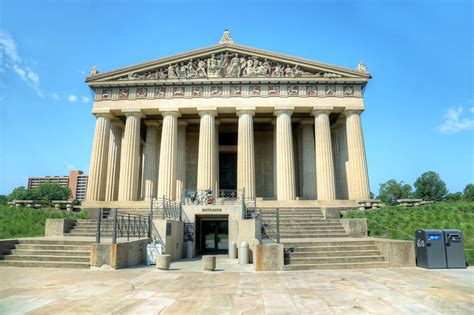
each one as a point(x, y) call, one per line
point(98, 164)
point(113, 164)
point(275, 190)
point(150, 160)
point(246, 153)
point(285, 159)
point(358, 178)
point(169, 147)
point(206, 176)
point(326, 188)
point(216, 164)
point(130, 157)
point(308, 159)
point(181, 159)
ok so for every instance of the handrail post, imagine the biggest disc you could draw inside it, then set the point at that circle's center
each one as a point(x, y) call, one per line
point(151, 207)
point(114, 231)
point(180, 213)
point(149, 226)
point(258, 228)
point(97, 233)
point(163, 209)
point(278, 225)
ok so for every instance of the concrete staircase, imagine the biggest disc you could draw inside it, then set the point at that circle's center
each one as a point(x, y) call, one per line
point(88, 228)
point(47, 253)
point(311, 242)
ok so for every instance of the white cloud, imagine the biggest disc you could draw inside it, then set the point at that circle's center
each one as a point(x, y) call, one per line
point(85, 99)
point(55, 96)
point(455, 122)
point(72, 98)
point(10, 60)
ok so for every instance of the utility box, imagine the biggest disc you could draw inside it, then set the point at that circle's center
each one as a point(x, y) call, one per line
point(454, 245)
point(430, 252)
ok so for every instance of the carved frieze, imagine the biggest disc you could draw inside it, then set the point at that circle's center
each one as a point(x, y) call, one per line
point(234, 90)
point(227, 65)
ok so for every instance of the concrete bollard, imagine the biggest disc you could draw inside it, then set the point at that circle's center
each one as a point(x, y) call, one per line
point(232, 250)
point(163, 262)
point(189, 249)
point(209, 263)
point(244, 253)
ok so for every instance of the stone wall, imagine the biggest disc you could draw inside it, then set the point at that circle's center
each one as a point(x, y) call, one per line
point(119, 255)
point(173, 240)
point(57, 227)
point(398, 253)
point(192, 150)
point(264, 164)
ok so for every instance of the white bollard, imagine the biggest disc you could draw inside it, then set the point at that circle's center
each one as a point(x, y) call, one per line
point(232, 250)
point(244, 253)
point(189, 249)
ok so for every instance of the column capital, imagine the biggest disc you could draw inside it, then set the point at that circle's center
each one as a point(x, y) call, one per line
point(174, 113)
point(322, 110)
point(349, 112)
point(287, 111)
point(250, 112)
point(207, 112)
point(152, 123)
point(133, 112)
point(102, 112)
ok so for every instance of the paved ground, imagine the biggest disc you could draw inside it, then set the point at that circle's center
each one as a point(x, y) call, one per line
point(145, 290)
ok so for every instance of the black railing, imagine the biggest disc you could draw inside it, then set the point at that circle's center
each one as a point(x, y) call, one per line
point(267, 225)
point(123, 225)
point(166, 209)
point(210, 197)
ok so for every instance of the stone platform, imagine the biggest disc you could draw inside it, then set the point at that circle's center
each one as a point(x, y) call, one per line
point(144, 290)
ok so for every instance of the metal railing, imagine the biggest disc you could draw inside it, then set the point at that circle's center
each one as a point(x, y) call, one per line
point(123, 225)
point(165, 208)
point(267, 225)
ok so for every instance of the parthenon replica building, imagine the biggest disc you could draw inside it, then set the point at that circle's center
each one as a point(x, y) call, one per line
point(285, 129)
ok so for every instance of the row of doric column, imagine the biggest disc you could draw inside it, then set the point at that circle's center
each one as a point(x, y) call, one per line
point(333, 157)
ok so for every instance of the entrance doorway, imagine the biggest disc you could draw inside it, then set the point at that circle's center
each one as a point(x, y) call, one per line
point(228, 171)
point(212, 235)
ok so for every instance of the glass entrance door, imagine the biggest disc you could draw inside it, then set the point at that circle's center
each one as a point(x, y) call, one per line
point(215, 236)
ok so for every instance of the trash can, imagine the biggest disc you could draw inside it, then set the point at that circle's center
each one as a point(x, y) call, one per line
point(430, 252)
point(454, 244)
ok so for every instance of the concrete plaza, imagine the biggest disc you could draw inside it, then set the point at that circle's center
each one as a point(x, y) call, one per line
point(235, 290)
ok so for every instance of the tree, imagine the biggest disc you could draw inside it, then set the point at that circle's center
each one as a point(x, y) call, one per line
point(3, 200)
point(429, 186)
point(469, 192)
point(47, 192)
point(20, 193)
point(392, 190)
point(457, 196)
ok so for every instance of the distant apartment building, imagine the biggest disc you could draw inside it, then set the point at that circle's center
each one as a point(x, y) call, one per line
point(76, 181)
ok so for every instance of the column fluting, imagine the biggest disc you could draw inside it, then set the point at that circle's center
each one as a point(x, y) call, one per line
point(113, 161)
point(181, 160)
point(326, 188)
point(358, 178)
point(98, 164)
point(286, 189)
point(150, 160)
point(130, 157)
point(206, 176)
point(168, 154)
point(246, 153)
point(309, 160)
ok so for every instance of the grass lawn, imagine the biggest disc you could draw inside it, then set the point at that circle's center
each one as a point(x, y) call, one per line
point(25, 222)
point(401, 222)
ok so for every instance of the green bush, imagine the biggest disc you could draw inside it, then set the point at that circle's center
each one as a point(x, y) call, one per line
point(44, 193)
point(402, 223)
point(27, 222)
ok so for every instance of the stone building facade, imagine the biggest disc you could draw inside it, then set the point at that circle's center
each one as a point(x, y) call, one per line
point(283, 128)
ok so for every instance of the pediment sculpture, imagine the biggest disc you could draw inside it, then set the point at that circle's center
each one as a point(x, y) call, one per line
point(227, 65)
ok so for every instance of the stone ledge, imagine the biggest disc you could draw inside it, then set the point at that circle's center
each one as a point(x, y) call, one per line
point(398, 253)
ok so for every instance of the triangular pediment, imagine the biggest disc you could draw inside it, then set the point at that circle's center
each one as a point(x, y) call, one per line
point(227, 62)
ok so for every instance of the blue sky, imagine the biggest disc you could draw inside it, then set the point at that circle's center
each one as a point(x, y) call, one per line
point(419, 105)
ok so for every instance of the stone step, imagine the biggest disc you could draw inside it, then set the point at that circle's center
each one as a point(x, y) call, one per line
point(340, 248)
point(44, 264)
point(330, 243)
point(86, 234)
point(312, 229)
point(297, 215)
point(292, 213)
point(363, 265)
point(316, 223)
point(54, 242)
point(314, 254)
point(313, 235)
point(336, 259)
point(47, 258)
point(50, 252)
point(52, 247)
